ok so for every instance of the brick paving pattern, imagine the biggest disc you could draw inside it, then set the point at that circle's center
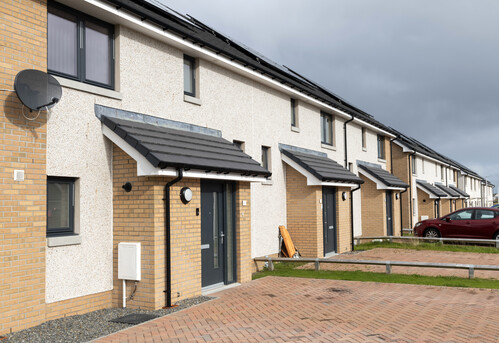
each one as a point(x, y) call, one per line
point(275, 309)
point(418, 256)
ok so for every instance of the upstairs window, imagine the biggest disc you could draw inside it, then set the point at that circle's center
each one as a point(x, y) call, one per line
point(364, 138)
point(266, 157)
point(413, 165)
point(326, 128)
point(294, 113)
point(80, 47)
point(60, 206)
point(189, 76)
point(381, 147)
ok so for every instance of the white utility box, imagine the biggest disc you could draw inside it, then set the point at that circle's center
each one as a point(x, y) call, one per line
point(129, 261)
point(424, 217)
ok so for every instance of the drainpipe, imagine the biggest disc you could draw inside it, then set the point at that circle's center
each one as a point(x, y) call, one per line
point(351, 215)
point(411, 156)
point(401, 212)
point(168, 264)
point(346, 145)
point(446, 175)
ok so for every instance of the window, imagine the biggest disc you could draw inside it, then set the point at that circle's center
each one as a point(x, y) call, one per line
point(266, 157)
point(413, 165)
point(381, 147)
point(326, 128)
point(436, 169)
point(413, 206)
point(422, 165)
point(462, 215)
point(189, 76)
point(80, 47)
point(60, 205)
point(484, 214)
point(363, 138)
point(442, 173)
point(294, 112)
point(239, 144)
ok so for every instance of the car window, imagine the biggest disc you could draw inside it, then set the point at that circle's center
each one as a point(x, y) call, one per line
point(462, 215)
point(484, 214)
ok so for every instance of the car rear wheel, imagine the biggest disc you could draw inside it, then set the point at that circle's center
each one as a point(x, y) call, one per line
point(496, 236)
point(432, 233)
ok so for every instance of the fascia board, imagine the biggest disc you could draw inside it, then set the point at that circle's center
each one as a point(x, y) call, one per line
point(134, 22)
point(373, 128)
point(145, 168)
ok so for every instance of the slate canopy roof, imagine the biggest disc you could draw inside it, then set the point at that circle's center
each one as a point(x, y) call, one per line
point(322, 167)
point(460, 191)
point(448, 190)
point(165, 147)
point(384, 176)
point(432, 190)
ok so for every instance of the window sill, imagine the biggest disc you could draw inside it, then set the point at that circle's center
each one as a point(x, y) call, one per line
point(382, 160)
point(269, 182)
point(295, 129)
point(59, 241)
point(364, 149)
point(327, 146)
point(192, 100)
point(85, 87)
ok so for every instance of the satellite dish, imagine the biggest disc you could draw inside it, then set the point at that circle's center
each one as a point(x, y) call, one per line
point(37, 90)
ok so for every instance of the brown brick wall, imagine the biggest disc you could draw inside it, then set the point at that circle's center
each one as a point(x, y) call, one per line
point(22, 147)
point(401, 170)
point(445, 207)
point(80, 305)
point(387, 153)
point(426, 206)
point(343, 219)
point(373, 209)
point(459, 204)
point(139, 217)
point(304, 214)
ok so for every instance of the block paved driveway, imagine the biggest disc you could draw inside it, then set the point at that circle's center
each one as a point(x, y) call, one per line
point(275, 309)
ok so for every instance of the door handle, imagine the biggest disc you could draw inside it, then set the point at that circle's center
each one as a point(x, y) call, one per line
point(331, 227)
point(222, 237)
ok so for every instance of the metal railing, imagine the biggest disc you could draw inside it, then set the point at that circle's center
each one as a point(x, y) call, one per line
point(436, 239)
point(388, 264)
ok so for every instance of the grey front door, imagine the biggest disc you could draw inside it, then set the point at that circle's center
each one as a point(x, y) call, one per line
point(329, 218)
point(218, 234)
point(212, 233)
point(389, 214)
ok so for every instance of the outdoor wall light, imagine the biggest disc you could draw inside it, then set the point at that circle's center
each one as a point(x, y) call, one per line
point(344, 196)
point(127, 187)
point(396, 196)
point(185, 195)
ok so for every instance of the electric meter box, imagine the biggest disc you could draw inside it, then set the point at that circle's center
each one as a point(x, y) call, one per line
point(129, 261)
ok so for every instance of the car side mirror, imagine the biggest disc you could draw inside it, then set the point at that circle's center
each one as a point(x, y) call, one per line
point(447, 219)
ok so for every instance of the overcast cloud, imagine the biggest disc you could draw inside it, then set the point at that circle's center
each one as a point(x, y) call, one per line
point(429, 68)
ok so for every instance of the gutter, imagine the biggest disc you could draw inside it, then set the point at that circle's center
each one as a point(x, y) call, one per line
point(351, 216)
point(168, 260)
point(346, 143)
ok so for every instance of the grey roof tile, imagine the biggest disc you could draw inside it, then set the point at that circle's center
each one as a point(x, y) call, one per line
point(165, 147)
point(384, 176)
point(432, 189)
point(323, 168)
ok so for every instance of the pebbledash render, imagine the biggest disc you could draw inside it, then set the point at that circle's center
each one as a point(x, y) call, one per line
point(172, 135)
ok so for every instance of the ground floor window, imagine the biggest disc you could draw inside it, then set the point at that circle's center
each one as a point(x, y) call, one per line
point(60, 205)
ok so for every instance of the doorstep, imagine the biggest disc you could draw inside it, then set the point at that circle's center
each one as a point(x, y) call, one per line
point(217, 288)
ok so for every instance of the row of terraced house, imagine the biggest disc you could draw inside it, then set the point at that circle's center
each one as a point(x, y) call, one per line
point(172, 135)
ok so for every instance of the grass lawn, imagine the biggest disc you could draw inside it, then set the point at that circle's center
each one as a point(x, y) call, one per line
point(289, 270)
point(428, 246)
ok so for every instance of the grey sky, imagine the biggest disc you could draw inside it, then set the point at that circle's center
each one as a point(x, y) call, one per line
point(428, 68)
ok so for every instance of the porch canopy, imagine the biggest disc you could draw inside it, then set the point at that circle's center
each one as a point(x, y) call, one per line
point(318, 168)
point(433, 191)
point(462, 194)
point(161, 147)
point(452, 193)
point(382, 178)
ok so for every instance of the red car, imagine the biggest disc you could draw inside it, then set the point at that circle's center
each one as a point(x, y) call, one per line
point(475, 222)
